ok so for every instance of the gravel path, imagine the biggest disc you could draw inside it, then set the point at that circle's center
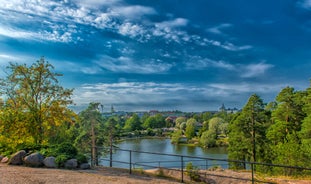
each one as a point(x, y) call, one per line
point(28, 175)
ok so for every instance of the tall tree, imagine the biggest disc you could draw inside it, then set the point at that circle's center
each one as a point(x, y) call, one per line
point(247, 131)
point(90, 131)
point(305, 132)
point(190, 128)
point(35, 91)
point(287, 118)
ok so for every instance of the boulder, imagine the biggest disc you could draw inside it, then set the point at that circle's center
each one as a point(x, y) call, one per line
point(49, 162)
point(85, 166)
point(17, 158)
point(34, 159)
point(5, 160)
point(71, 164)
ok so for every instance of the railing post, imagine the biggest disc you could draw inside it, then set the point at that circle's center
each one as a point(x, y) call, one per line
point(252, 167)
point(130, 161)
point(206, 164)
point(182, 169)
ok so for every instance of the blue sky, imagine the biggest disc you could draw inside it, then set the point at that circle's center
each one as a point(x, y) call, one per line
point(165, 54)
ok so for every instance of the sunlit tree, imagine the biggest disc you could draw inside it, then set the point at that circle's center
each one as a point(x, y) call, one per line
point(34, 95)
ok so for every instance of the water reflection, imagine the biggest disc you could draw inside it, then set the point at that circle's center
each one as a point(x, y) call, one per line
point(163, 146)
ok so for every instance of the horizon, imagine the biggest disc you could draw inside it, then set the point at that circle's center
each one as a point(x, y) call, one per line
point(190, 56)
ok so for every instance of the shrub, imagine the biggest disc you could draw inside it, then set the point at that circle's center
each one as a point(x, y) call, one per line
point(81, 158)
point(60, 160)
point(67, 149)
point(193, 172)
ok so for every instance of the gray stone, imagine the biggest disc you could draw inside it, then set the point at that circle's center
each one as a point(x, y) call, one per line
point(5, 160)
point(85, 166)
point(49, 162)
point(1, 157)
point(17, 158)
point(71, 164)
point(34, 159)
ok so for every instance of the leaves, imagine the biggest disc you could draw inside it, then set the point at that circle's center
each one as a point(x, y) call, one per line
point(36, 105)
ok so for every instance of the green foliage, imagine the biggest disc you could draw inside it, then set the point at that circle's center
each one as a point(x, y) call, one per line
point(133, 123)
point(35, 112)
point(190, 128)
point(208, 139)
point(60, 160)
point(193, 172)
point(247, 132)
point(157, 121)
point(67, 149)
point(90, 123)
point(179, 121)
point(175, 139)
point(81, 158)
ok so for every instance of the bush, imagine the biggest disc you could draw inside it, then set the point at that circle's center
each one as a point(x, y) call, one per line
point(60, 160)
point(193, 172)
point(81, 158)
point(67, 149)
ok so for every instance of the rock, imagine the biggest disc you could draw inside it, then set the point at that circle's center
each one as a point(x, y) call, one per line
point(1, 157)
point(71, 164)
point(17, 158)
point(85, 166)
point(49, 162)
point(5, 160)
point(34, 159)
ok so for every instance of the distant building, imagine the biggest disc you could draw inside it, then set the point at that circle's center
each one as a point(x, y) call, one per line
point(228, 110)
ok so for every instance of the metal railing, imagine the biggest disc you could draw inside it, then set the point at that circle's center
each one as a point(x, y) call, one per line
point(179, 163)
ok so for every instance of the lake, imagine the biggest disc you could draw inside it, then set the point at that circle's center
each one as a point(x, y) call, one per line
point(146, 160)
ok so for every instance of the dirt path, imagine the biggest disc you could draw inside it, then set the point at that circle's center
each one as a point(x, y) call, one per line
point(27, 175)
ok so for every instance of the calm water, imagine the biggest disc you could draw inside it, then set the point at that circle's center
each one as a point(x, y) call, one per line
point(144, 160)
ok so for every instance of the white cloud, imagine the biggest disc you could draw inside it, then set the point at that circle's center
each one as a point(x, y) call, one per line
point(127, 65)
point(129, 95)
point(198, 63)
point(218, 29)
point(133, 12)
point(178, 22)
point(14, 33)
point(227, 45)
point(96, 3)
point(253, 70)
point(131, 30)
point(224, 89)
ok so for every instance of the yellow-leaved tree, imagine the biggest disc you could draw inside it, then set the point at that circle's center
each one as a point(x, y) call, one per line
point(35, 107)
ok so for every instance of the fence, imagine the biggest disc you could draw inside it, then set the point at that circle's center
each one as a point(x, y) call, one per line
point(203, 167)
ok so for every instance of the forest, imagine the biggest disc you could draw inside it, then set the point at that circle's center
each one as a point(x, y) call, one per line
point(35, 116)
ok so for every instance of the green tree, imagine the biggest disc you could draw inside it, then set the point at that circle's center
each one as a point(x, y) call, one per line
point(179, 121)
point(190, 128)
point(90, 131)
point(305, 132)
point(287, 119)
point(111, 133)
point(157, 121)
point(34, 92)
point(208, 139)
point(247, 132)
point(133, 123)
point(175, 139)
point(214, 124)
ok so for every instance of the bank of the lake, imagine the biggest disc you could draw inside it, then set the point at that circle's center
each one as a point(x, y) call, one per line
point(164, 146)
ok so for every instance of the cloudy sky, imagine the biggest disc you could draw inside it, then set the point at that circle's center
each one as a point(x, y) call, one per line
point(164, 54)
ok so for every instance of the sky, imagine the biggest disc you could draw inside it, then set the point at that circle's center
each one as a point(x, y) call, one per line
point(163, 55)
